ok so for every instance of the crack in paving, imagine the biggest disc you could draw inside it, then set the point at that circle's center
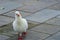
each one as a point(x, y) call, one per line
point(51, 35)
point(45, 8)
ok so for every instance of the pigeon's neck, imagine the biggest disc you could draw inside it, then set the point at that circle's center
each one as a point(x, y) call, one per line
point(18, 19)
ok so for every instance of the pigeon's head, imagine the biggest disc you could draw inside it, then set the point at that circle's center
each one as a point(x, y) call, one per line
point(17, 13)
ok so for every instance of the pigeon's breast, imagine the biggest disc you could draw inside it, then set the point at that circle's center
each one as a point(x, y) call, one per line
point(19, 27)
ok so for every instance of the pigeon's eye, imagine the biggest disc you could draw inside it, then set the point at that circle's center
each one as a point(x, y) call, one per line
point(17, 14)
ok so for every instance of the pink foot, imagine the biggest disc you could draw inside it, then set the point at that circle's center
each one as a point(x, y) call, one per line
point(20, 38)
point(24, 34)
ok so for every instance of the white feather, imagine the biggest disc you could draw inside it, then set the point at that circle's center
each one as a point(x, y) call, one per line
point(20, 24)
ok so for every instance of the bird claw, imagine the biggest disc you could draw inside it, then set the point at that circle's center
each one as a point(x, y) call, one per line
point(20, 38)
point(24, 34)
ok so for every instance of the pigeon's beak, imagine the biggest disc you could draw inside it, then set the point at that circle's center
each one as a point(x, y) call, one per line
point(18, 15)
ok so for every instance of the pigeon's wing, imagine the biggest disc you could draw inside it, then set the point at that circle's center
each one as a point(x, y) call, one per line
point(14, 25)
point(26, 23)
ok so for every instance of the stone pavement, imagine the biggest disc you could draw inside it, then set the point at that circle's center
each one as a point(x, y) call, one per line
point(43, 18)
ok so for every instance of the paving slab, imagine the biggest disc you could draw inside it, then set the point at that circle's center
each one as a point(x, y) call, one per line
point(45, 28)
point(6, 5)
point(32, 24)
point(54, 37)
point(4, 1)
point(34, 5)
point(32, 39)
point(43, 15)
point(12, 14)
point(35, 35)
point(58, 1)
point(31, 35)
point(3, 37)
point(12, 36)
point(5, 20)
point(55, 7)
point(54, 21)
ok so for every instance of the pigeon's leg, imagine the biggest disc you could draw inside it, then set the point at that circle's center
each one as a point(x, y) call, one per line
point(24, 34)
point(20, 36)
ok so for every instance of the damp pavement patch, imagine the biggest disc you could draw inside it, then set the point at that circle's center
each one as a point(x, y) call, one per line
point(43, 15)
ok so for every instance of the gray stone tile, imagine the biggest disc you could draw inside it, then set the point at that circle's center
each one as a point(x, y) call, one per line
point(13, 38)
point(8, 34)
point(32, 24)
point(35, 35)
point(55, 7)
point(54, 21)
point(18, 1)
point(42, 16)
point(45, 28)
point(12, 14)
point(3, 37)
point(33, 39)
point(47, 0)
point(6, 6)
point(31, 35)
point(5, 20)
point(34, 5)
point(58, 1)
point(58, 16)
point(54, 37)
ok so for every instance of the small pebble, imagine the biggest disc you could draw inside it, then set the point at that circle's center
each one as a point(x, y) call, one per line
point(2, 8)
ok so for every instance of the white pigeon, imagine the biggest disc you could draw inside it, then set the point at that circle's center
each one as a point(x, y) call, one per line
point(20, 24)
